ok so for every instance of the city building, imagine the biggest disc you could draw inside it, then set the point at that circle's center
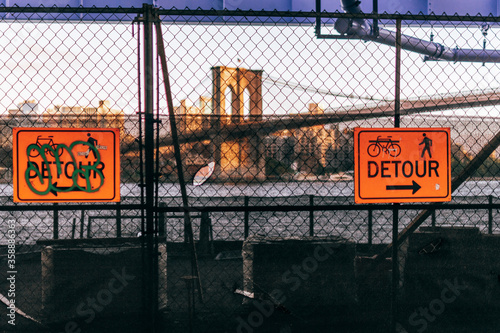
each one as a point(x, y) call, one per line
point(102, 116)
point(192, 118)
point(25, 115)
point(317, 149)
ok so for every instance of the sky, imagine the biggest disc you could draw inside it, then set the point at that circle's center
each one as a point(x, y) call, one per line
point(77, 63)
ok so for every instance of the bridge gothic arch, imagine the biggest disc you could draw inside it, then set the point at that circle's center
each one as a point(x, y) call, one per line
point(242, 89)
point(238, 81)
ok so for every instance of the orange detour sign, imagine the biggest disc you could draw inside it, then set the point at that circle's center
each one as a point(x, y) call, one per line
point(402, 165)
point(66, 164)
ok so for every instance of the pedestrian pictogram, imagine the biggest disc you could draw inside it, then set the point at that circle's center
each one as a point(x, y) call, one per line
point(427, 145)
point(93, 143)
point(66, 165)
point(402, 165)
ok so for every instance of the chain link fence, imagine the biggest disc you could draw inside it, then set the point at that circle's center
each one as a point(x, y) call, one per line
point(265, 106)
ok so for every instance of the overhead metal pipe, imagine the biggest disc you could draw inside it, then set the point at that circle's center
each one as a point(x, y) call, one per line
point(432, 51)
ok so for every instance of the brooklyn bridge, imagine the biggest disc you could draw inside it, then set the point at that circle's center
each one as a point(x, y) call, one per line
point(231, 128)
point(238, 143)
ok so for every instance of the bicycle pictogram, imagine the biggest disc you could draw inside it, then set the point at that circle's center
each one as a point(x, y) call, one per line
point(40, 141)
point(386, 145)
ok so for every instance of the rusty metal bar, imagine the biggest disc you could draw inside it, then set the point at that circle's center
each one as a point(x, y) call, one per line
point(188, 227)
point(487, 150)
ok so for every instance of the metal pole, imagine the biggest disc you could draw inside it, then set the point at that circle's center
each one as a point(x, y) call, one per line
point(82, 223)
point(433, 51)
point(150, 305)
point(89, 227)
point(395, 211)
point(397, 83)
point(370, 227)
point(311, 215)
point(318, 18)
point(118, 220)
point(188, 227)
point(73, 228)
point(56, 222)
point(247, 213)
point(375, 20)
point(395, 268)
point(490, 215)
point(161, 222)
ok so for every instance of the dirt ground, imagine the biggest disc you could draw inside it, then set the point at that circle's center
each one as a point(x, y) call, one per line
point(223, 309)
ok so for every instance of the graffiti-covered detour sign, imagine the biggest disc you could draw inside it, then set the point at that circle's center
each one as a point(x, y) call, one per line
point(402, 165)
point(66, 164)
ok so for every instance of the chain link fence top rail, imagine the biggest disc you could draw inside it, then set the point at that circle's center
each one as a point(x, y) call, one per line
point(265, 111)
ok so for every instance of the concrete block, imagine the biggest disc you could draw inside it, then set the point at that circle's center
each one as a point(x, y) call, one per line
point(464, 258)
point(300, 272)
point(87, 279)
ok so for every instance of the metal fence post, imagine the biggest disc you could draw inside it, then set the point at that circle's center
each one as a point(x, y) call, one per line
point(490, 215)
point(73, 228)
point(150, 299)
point(118, 220)
point(82, 223)
point(395, 212)
point(247, 213)
point(311, 215)
point(56, 222)
point(161, 221)
point(205, 232)
point(370, 227)
point(89, 227)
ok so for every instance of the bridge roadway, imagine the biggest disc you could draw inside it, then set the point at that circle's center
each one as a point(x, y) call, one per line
point(278, 123)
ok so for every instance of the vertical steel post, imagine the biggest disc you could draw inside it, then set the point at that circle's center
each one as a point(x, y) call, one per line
point(370, 227)
point(311, 215)
point(150, 306)
point(73, 228)
point(247, 213)
point(82, 223)
point(56, 222)
point(395, 211)
point(318, 18)
point(89, 227)
point(490, 215)
point(188, 227)
point(216, 119)
point(162, 222)
point(397, 80)
point(375, 20)
point(118, 220)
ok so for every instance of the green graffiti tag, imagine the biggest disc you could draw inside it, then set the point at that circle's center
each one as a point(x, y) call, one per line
point(55, 152)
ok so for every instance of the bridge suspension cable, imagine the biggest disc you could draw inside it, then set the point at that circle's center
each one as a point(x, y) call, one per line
point(296, 85)
point(207, 77)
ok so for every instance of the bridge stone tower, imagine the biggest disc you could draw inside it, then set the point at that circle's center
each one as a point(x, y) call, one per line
point(237, 159)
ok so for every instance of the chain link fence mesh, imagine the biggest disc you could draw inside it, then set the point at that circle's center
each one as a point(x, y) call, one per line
point(265, 112)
